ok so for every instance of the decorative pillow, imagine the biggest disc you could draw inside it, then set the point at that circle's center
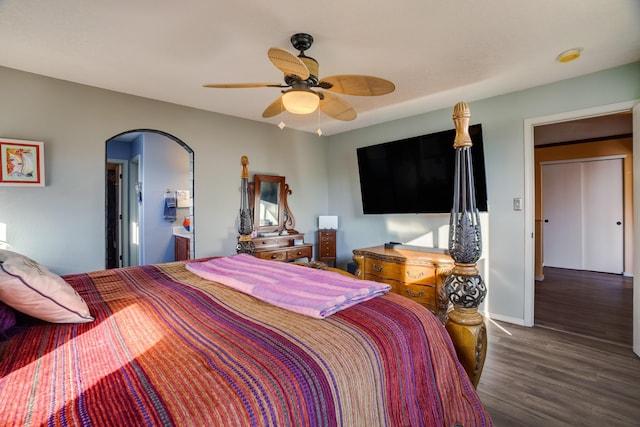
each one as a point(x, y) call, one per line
point(7, 319)
point(32, 289)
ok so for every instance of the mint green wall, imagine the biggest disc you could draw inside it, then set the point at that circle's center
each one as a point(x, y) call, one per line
point(502, 119)
point(62, 224)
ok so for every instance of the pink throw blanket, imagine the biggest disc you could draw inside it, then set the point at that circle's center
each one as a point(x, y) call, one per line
point(308, 291)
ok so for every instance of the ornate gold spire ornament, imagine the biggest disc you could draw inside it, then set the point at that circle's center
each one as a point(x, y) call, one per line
point(245, 217)
point(465, 287)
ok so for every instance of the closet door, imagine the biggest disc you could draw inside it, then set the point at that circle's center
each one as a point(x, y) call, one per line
point(603, 231)
point(582, 214)
point(561, 211)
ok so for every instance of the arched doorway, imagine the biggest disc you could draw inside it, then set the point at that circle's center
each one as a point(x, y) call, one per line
point(141, 167)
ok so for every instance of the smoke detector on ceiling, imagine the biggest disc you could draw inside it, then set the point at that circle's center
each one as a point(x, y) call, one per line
point(570, 55)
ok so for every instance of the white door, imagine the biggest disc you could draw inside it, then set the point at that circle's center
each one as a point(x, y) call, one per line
point(603, 231)
point(582, 214)
point(562, 230)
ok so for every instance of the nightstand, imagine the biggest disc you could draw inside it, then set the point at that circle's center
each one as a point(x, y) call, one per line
point(327, 246)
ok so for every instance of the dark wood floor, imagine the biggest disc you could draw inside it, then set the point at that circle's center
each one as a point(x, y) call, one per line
point(543, 377)
point(577, 370)
point(598, 305)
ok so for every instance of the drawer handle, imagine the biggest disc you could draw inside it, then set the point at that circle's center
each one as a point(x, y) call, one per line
point(274, 256)
point(299, 252)
point(415, 276)
point(418, 294)
point(376, 268)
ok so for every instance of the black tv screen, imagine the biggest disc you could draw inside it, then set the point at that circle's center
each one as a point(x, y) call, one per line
point(415, 175)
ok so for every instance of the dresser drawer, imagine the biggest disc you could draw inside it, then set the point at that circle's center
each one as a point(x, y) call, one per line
point(263, 243)
point(277, 255)
point(419, 274)
point(423, 294)
point(327, 249)
point(383, 269)
point(296, 252)
point(396, 286)
point(404, 272)
point(326, 236)
point(373, 277)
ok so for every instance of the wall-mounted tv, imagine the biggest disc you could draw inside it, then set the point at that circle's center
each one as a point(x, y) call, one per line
point(415, 175)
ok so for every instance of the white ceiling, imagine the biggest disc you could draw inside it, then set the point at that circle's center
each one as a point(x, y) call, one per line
point(436, 52)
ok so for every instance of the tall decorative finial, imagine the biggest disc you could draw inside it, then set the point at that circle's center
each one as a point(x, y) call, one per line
point(465, 287)
point(461, 116)
point(245, 244)
point(244, 161)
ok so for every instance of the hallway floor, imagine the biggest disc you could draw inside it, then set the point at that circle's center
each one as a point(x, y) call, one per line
point(592, 304)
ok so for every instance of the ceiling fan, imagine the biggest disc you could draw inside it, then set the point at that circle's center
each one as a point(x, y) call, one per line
point(299, 94)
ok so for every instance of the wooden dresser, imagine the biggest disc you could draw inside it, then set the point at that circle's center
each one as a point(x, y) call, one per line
point(414, 274)
point(327, 246)
point(282, 248)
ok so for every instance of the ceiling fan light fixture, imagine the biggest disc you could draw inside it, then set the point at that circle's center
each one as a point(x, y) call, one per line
point(300, 101)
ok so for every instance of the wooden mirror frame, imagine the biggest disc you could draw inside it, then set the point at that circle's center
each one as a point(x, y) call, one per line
point(256, 188)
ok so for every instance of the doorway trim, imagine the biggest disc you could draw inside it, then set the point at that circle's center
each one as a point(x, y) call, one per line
point(123, 206)
point(529, 190)
point(131, 135)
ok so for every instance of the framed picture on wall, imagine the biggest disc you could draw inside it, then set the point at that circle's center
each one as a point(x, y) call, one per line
point(22, 163)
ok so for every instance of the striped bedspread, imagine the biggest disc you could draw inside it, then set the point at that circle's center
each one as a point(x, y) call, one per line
point(170, 348)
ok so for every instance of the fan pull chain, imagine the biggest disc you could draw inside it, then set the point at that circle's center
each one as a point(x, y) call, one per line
point(319, 131)
point(282, 124)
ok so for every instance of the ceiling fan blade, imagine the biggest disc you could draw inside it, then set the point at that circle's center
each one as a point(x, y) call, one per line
point(336, 107)
point(275, 108)
point(288, 63)
point(353, 84)
point(242, 85)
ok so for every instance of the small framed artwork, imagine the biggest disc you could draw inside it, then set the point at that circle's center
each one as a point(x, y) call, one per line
point(22, 163)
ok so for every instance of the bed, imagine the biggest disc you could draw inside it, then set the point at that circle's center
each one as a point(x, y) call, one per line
point(162, 345)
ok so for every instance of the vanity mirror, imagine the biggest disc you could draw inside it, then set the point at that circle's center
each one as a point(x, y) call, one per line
point(271, 213)
point(274, 236)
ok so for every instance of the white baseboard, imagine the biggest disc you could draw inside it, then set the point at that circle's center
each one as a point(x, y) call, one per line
point(513, 320)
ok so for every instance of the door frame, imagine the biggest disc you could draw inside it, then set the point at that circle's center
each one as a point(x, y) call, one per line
point(133, 223)
point(123, 207)
point(529, 194)
point(130, 135)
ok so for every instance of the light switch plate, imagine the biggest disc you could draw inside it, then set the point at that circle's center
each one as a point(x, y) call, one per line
point(517, 204)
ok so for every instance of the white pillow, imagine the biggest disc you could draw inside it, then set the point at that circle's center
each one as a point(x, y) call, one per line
point(32, 289)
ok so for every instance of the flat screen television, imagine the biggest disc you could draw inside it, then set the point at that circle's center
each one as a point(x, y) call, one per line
point(415, 175)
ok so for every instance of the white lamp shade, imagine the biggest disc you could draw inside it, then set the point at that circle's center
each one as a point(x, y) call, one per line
point(300, 101)
point(328, 222)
